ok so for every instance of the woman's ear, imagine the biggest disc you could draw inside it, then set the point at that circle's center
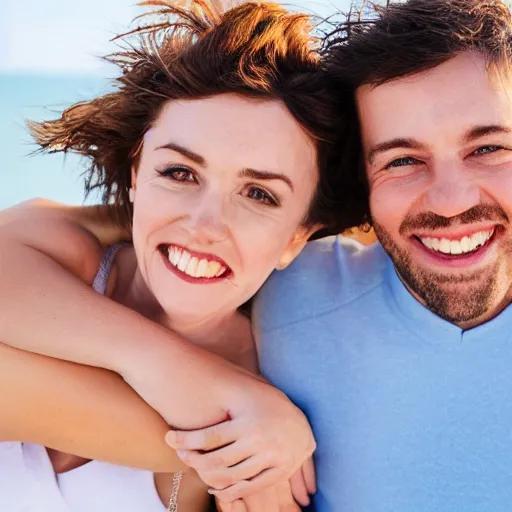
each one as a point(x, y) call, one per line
point(133, 177)
point(295, 245)
point(133, 186)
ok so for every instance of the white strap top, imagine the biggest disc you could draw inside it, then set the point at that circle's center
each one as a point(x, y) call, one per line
point(28, 482)
point(102, 487)
point(101, 279)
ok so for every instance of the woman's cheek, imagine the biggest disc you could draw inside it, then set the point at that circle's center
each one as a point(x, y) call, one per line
point(262, 248)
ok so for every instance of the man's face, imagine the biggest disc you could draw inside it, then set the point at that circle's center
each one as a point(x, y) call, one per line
point(438, 152)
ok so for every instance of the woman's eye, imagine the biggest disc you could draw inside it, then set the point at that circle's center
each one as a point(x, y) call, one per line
point(402, 162)
point(262, 196)
point(179, 174)
point(486, 150)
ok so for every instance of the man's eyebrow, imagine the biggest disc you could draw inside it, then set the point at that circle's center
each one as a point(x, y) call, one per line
point(393, 144)
point(266, 175)
point(482, 131)
point(198, 159)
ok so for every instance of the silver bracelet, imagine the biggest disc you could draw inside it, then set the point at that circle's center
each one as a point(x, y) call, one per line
point(173, 501)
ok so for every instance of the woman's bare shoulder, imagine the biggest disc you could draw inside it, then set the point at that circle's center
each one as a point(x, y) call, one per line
point(57, 230)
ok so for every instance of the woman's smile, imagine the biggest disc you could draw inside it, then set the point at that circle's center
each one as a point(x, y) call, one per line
point(193, 266)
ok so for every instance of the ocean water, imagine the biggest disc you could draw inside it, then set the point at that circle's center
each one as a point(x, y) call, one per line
point(24, 175)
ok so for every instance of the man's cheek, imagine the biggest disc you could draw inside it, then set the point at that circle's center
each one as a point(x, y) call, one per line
point(387, 211)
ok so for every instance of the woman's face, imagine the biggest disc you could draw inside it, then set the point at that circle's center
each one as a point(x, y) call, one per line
point(222, 187)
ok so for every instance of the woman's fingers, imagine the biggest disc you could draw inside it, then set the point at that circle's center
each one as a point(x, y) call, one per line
point(275, 443)
point(233, 470)
point(206, 439)
point(222, 458)
point(273, 499)
point(235, 506)
point(226, 477)
point(263, 501)
point(267, 478)
point(285, 498)
point(299, 488)
point(309, 473)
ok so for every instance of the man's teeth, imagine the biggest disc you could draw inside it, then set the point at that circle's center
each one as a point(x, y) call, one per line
point(192, 266)
point(464, 246)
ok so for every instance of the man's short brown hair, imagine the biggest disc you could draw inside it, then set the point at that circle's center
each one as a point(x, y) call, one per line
point(387, 43)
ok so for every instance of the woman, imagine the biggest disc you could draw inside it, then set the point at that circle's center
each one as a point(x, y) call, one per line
point(215, 151)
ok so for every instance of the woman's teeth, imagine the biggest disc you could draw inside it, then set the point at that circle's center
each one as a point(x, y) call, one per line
point(192, 266)
point(465, 245)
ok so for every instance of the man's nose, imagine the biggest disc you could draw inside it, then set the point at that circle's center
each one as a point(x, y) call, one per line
point(451, 192)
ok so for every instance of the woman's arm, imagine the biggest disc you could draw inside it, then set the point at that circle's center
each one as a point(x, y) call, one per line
point(48, 260)
point(98, 220)
point(86, 411)
point(47, 263)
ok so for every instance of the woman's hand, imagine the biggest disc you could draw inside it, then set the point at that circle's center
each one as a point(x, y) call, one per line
point(188, 387)
point(274, 499)
point(265, 442)
point(303, 483)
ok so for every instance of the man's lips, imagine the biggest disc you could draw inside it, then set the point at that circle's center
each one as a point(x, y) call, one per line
point(470, 256)
point(451, 244)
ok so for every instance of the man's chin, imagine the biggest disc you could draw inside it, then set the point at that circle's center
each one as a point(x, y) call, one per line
point(458, 280)
point(458, 297)
point(465, 295)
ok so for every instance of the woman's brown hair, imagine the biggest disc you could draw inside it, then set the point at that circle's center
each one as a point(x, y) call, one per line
point(255, 49)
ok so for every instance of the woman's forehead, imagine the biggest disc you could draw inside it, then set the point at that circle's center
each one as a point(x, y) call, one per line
point(233, 129)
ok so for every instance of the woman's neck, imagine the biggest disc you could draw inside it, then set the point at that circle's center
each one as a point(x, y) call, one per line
point(221, 334)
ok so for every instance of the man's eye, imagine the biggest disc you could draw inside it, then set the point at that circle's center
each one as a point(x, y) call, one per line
point(178, 174)
point(486, 150)
point(262, 196)
point(402, 162)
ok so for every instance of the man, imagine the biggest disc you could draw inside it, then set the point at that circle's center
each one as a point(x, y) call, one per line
point(401, 353)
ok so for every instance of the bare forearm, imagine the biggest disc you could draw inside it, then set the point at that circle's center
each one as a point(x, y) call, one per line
point(47, 264)
point(57, 315)
point(86, 411)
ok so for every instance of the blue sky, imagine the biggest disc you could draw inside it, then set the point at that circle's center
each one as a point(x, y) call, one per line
point(49, 59)
point(66, 36)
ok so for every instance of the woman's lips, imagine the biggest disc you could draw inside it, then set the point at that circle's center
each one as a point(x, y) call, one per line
point(193, 266)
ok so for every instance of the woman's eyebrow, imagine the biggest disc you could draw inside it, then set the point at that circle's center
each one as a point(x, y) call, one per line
point(245, 173)
point(266, 175)
point(198, 159)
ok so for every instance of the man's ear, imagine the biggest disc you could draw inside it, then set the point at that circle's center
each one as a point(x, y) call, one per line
point(295, 245)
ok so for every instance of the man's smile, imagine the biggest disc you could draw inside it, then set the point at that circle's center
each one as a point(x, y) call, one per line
point(457, 245)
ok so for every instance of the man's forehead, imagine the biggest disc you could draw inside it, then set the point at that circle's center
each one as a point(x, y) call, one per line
point(449, 73)
point(458, 94)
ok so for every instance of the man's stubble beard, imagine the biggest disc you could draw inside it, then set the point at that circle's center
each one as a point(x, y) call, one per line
point(458, 298)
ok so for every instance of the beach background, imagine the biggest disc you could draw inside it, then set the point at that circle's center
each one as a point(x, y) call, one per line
point(49, 58)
